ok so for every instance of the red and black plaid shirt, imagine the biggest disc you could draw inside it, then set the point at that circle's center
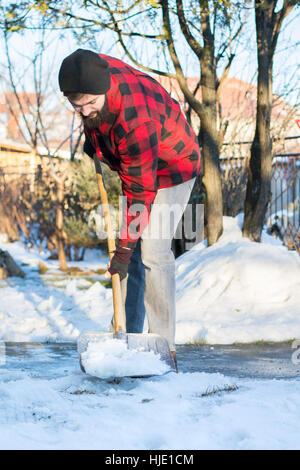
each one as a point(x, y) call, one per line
point(146, 139)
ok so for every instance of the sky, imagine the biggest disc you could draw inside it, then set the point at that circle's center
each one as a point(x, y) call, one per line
point(286, 65)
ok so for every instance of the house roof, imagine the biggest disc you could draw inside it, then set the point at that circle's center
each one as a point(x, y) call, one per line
point(8, 99)
point(237, 98)
point(8, 146)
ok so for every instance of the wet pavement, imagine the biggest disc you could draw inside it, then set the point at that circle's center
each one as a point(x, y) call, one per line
point(264, 361)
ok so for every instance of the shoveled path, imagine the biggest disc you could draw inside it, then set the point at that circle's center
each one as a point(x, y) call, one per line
point(265, 361)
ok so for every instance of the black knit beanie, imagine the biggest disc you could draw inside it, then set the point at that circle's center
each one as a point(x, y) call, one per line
point(84, 71)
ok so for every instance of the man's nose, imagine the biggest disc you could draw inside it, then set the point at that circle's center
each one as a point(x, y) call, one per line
point(86, 111)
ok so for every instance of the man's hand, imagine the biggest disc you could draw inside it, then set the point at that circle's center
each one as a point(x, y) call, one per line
point(119, 262)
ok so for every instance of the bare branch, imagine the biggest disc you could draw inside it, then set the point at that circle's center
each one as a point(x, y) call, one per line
point(118, 11)
point(226, 71)
point(287, 7)
point(193, 102)
point(234, 37)
point(110, 25)
point(120, 37)
point(194, 45)
point(14, 87)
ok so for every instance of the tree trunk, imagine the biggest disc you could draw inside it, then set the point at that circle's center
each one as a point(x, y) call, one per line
point(258, 191)
point(7, 227)
point(260, 169)
point(205, 110)
point(209, 139)
point(59, 225)
point(211, 180)
point(82, 253)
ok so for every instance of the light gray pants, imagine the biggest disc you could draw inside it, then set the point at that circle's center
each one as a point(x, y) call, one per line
point(150, 284)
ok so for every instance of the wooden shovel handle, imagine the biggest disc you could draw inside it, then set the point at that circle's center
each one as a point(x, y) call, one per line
point(119, 316)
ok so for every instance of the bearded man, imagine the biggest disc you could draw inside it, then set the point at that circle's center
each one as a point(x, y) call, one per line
point(139, 131)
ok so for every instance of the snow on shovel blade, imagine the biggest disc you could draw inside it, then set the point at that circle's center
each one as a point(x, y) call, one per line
point(111, 355)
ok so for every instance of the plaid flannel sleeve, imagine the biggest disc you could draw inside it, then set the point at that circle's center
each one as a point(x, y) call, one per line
point(139, 157)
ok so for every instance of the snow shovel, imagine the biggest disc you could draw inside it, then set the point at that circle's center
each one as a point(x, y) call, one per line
point(134, 341)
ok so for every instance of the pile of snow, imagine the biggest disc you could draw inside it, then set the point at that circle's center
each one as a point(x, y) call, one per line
point(238, 290)
point(111, 358)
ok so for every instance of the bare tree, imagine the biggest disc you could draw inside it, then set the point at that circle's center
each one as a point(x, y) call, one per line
point(268, 25)
point(27, 111)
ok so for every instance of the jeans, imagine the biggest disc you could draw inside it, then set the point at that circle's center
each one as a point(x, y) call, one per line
point(149, 287)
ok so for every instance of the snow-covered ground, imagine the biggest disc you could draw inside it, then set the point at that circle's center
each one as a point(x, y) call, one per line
point(234, 291)
point(169, 412)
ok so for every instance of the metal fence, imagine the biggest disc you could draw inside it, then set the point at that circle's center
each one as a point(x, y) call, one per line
point(283, 213)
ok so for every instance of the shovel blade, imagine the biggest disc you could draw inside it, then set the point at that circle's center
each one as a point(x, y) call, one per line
point(135, 341)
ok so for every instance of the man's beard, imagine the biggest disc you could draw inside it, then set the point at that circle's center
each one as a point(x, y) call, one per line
point(98, 119)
